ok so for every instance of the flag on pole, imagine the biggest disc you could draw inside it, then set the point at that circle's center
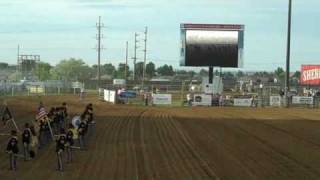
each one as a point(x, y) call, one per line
point(41, 114)
point(6, 115)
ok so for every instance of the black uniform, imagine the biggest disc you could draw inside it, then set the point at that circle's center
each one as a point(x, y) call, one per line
point(13, 145)
point(26, 136)
point(81, 132)
point(26, 140)
point(13, 150)
point(69, 138)
point(89, 111)
point(70, 142)
point(60, 147)
point(60, 143)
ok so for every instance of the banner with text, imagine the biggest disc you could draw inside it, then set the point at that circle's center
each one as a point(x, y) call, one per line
point(302, 100)
point(162, 99)
point(242, 102)
point(310, 75)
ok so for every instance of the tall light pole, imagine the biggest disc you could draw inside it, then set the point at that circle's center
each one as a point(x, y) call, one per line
point(99, 37)
point(135, 55)
point(287, 80)
point(145, 56)
point(125, 68)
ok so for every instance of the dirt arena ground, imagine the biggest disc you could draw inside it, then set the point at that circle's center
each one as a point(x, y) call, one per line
point(179, 143)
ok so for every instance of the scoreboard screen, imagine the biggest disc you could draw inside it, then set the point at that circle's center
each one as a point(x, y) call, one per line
point(211, 45)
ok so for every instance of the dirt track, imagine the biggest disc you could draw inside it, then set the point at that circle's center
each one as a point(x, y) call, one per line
point(182, 143)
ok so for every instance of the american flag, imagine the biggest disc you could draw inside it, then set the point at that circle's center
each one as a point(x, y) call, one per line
point(42, 113)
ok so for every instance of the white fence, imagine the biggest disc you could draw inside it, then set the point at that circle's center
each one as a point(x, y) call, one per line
point(109, 96)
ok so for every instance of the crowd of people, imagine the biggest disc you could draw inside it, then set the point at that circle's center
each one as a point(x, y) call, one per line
point(54, 126)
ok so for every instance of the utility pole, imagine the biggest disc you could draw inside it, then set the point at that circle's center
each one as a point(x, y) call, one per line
point(125, 68)
point(18, 59)
point(145, 56)
point(287, 82)
point(135, 55)
point(99, 37)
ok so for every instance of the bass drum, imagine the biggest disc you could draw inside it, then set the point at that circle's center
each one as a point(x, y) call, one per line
point(76, 121)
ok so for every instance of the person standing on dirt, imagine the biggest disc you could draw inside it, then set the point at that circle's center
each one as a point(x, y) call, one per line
point(89, 111)
point(34, 142)
point(69, 143)
point(42, 133)
point(52, 115)
point(146, 99)
point(13, 150)
point(60, 147)
point(89, 117)
point(64, 111)
point(40, 106)
point(60, 118)
point(26, 140)
point(82, 131)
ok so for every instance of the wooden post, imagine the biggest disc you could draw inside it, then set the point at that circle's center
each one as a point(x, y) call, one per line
point(182, 93)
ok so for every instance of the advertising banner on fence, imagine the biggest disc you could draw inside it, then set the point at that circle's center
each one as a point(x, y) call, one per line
point(162, 99)
point(275, 101)
point(202, 100)
point(242, 102)
point(310, 75)
point(302, 100)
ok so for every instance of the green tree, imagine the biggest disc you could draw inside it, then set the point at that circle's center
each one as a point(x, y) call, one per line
point(42, 71)
point(228, 75)
point(150, 69)
point(165, 70)
point(120, 71)
point(4, 66)
point(240, 74)
point(203, 73)
point(109, 69)
point(296, 78)
point(280, 74)
point(139, 70)
point(72, 70)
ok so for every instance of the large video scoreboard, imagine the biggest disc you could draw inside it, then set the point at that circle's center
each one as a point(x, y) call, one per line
point(213, 45)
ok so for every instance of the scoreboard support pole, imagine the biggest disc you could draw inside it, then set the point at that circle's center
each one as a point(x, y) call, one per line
point(211, 75)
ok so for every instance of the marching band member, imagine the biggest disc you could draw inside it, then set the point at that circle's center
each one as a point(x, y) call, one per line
point(65, 111)
point(34, 142)
point(60, 147)
point(26, 140)
point(13, 150)
point(69, 143)
point(82, 131)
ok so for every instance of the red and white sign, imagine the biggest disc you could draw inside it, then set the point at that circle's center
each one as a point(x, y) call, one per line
point(310, 75)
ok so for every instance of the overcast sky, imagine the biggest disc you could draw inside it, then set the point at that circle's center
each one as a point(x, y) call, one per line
point(62, 29)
